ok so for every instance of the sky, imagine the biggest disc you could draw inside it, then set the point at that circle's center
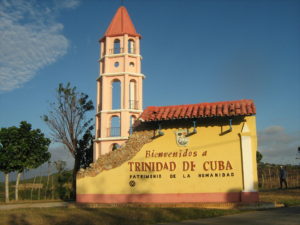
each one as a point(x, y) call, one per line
point(193, 51)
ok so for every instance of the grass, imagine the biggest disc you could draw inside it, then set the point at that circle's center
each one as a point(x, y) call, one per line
point(288, 197)
point(130, 215)
point(13, 202)
point(105, 216)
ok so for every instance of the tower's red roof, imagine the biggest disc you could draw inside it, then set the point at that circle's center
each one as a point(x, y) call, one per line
point(121, 24)
point(200, 110)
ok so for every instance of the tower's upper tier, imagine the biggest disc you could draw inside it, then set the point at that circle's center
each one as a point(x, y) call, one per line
point(121, 24)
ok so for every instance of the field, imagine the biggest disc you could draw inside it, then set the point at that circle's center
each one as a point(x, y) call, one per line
point(289, 197)
point(129, 215)
point(104, 216)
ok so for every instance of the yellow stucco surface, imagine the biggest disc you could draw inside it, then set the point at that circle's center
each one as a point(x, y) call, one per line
point(213, 164)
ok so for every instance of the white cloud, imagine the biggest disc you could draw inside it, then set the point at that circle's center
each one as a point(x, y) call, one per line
point(278, 146)
point(30, 39)
point(68, 4)
point(273, 130)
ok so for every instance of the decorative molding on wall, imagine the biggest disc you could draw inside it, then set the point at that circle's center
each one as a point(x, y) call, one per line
point(111, 138)
point(118, 55)
point(120, 110)
point(122, 74)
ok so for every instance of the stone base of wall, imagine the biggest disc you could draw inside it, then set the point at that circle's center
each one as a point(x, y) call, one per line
point(168, 198)
point(249, 197)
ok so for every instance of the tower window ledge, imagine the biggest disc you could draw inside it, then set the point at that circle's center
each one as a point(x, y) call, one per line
point(118, 55)
point(111, 138)
point(123, 73)
point(120, 110)
point(112, 111)
point(135, 110)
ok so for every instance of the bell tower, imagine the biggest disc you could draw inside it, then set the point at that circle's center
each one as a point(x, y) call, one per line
point(119, 85)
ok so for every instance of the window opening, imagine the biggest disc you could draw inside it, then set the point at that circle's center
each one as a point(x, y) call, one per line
point(132, 120)
point(117, 46)
point(115, 146)
point(115, 130)
point(132, 95)
point(116, 94)
point(131, 46)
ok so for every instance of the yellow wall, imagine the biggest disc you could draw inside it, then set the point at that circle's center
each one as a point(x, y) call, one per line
point(207, 146)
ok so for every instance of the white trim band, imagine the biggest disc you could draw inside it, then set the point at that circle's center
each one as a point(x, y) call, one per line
point(121, 54)
point(121, 74)
point(111, 139)
point(120, 110)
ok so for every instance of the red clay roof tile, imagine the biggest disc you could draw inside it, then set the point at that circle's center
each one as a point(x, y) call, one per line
point(121, 24)
point(216, 109)
point(195, 111)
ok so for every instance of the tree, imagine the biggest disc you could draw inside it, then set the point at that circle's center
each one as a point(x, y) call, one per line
point(259, 157)
point(85, 148)
point(67, 121)
point(60, 165)
point(32, 150)
point(22, 148)
point(8, 137)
